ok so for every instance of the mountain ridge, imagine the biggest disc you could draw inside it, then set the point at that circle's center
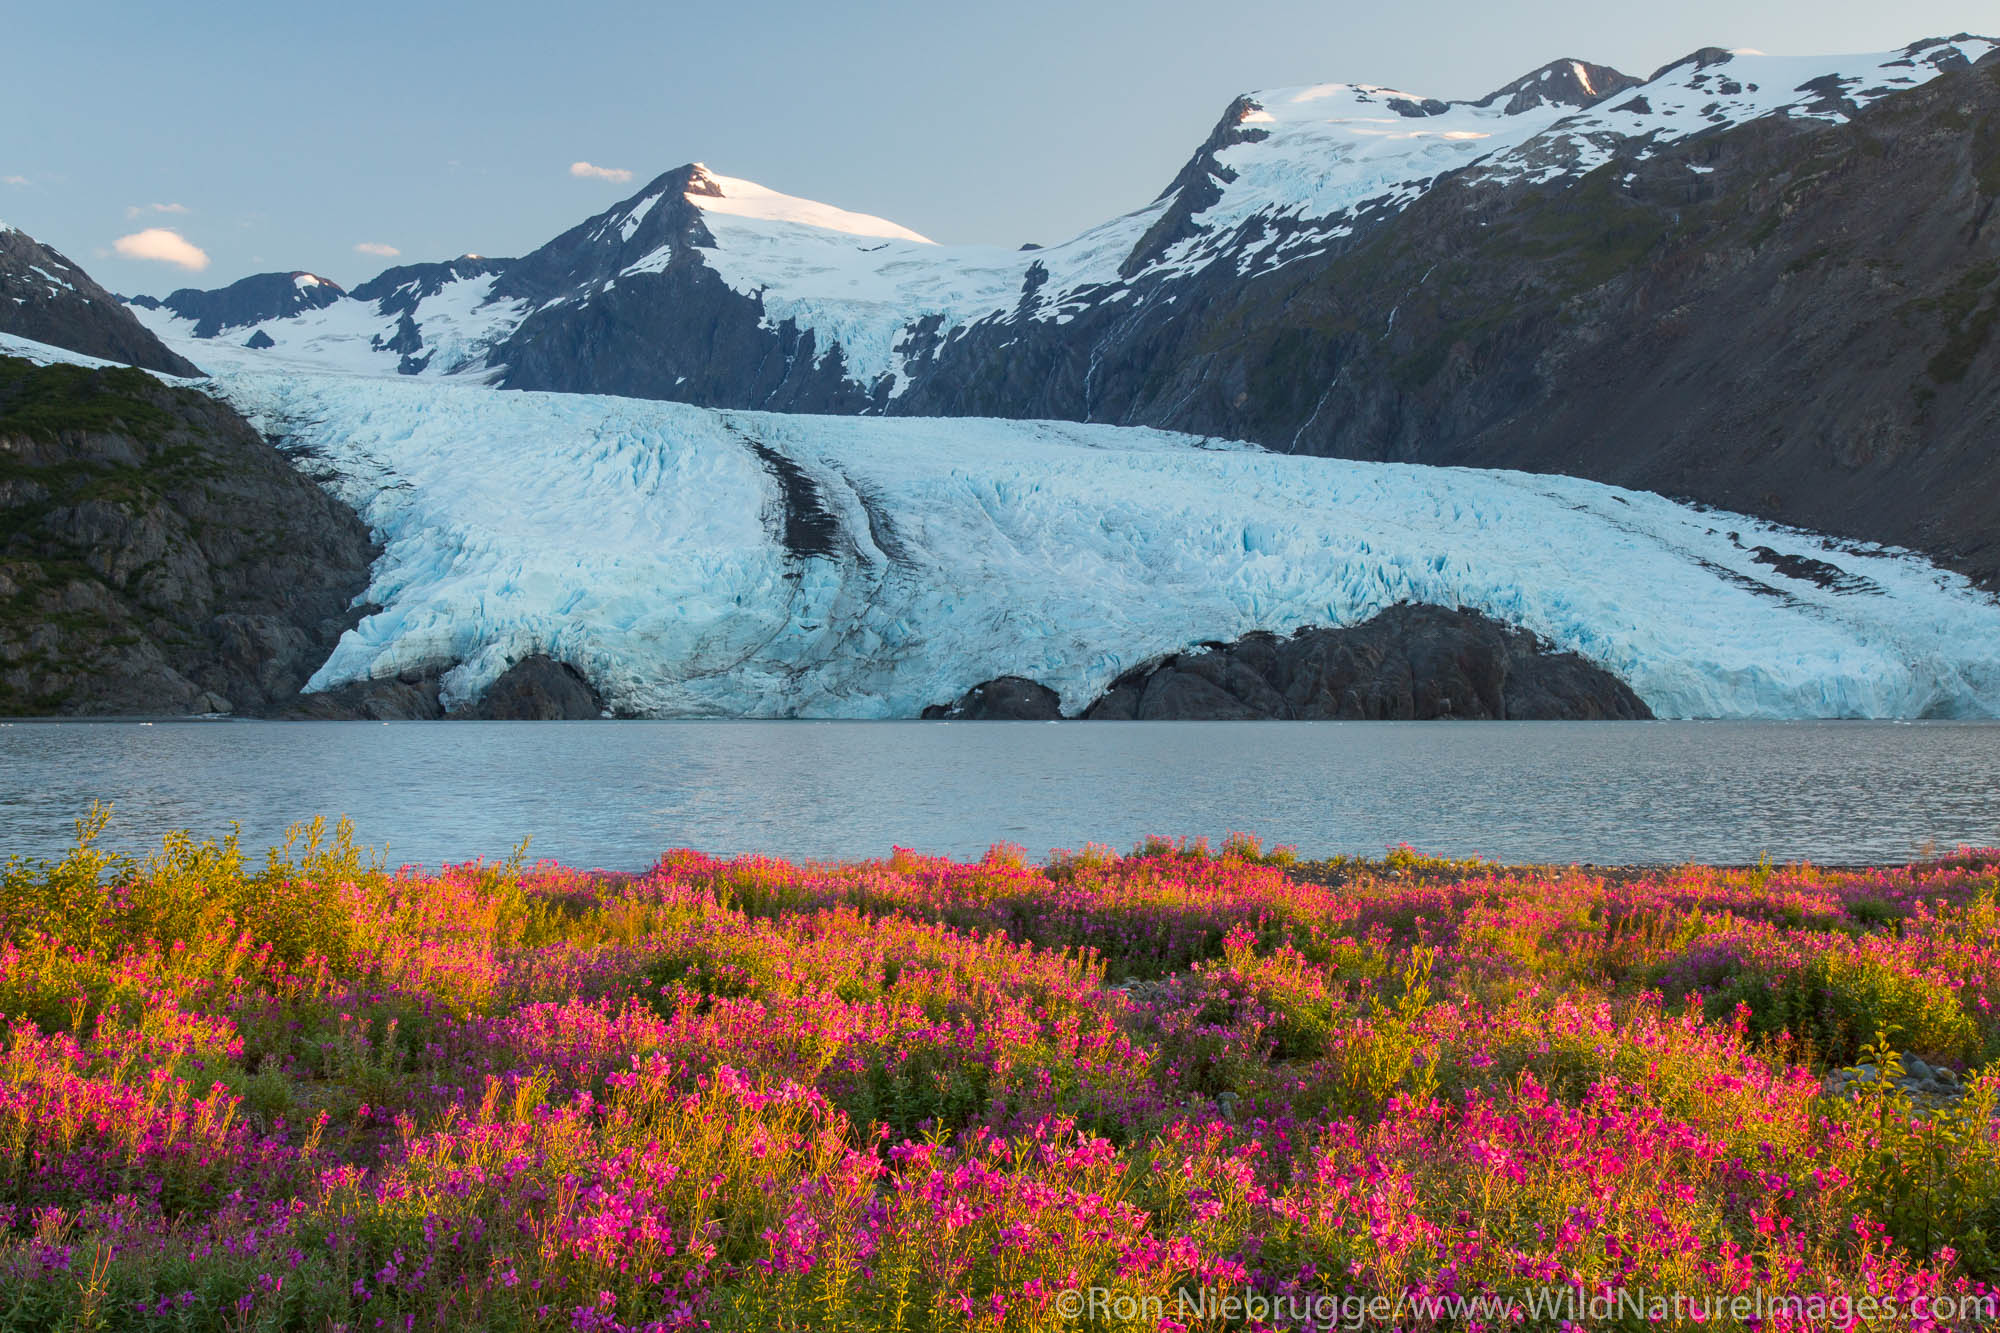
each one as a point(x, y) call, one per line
point(1279, 290)
point(46, 297)
point(1281, 216)
point(246, 302)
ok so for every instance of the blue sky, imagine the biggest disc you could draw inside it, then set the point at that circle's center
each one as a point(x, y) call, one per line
point(268, 136)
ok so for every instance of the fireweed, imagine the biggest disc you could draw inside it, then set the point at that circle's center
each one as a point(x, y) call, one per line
point(920, 1094)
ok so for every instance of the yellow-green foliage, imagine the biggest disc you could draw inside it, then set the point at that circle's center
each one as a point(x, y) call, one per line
point(921, 1094)
point(1838, 998)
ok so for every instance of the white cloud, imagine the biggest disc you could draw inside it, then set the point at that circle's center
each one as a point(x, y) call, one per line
point(589, 172)
point(168, 247)
point(376, 248)
point(16, 180)
point(135, 210)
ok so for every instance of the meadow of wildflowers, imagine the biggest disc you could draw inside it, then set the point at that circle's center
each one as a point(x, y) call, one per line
point(305, 1091)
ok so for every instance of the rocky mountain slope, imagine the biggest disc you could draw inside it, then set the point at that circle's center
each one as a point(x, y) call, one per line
point(247, 302)
point(46, 298)
point(1789, 319)
point(157, 556)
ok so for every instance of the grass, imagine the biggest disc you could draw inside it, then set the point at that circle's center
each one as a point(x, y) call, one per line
point(311, 1091)
point(44, 402)
point(1592, 229)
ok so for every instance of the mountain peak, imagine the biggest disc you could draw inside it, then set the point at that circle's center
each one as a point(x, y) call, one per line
point(253, 300)
point(1577, 83)
point(1699, 59)
point(47, 298)
point(700, 180)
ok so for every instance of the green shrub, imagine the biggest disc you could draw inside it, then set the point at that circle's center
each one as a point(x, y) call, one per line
point(1838, 997)
point(1931, 1175)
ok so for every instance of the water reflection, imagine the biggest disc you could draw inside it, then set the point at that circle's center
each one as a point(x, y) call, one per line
point(617, 794)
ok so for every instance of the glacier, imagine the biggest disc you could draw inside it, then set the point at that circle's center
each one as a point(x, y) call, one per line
point(652, 546)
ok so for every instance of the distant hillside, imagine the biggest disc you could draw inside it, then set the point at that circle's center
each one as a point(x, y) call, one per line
point(249, 301)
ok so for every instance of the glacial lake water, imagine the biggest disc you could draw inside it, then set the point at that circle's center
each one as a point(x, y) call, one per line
point(617, 794)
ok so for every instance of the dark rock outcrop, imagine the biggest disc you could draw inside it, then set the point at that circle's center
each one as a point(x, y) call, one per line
point(157, 556)
point(45, 297)
point(537, 689)
point(1409, 663)
point(1008, 699)
point(414, 696)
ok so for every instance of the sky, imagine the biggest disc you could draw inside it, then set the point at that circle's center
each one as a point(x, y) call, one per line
point(164, 146)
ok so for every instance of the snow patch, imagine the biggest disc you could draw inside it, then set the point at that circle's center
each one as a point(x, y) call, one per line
point(46, 354)
point(747, 199)
point(630, 226)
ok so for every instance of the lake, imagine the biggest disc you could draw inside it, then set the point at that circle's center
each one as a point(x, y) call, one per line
point(617, 794)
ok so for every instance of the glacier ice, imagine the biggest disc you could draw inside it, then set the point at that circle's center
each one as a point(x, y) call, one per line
point(644, 543)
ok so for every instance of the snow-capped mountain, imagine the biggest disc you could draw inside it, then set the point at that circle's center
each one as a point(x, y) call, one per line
point(244, 304)
point(1288, 174)
point(1756, 281)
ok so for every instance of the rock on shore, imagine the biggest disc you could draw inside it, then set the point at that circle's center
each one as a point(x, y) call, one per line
point(1407, 663)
